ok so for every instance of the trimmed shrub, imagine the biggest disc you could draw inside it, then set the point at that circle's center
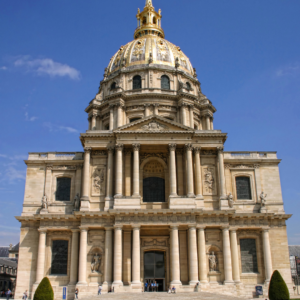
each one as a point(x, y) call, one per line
point(278, 289)
point(44, 291)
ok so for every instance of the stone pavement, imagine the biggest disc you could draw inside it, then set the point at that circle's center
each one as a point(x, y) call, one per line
point(154, 296)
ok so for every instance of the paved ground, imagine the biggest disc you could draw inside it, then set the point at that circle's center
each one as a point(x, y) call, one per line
point(154, 296)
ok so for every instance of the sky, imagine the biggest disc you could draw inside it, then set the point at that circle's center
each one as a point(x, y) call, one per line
point(53, 55)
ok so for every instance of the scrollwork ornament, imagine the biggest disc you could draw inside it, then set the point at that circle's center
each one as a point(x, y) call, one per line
point(110, 149)
point(197, 149)
point(172, 147)
point(220, 149)
point(188, 147)
point(119, 147)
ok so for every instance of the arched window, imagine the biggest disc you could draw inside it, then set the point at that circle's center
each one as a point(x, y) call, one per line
point(113, 86)
point(63, 189)
point(144, 20)
point(137, 82)
point(188, 85)
point(134, 119)
point(243, 188)
point(154, 20)
point(165, 82)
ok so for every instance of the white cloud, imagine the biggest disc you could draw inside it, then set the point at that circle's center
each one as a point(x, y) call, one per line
point(47, 66)
point(3, 155)
point(27, 118)
point(51, 127)
point(10, 227)
point(13, 174)
point(289, 70)
point(8, 233)
point(3, 68)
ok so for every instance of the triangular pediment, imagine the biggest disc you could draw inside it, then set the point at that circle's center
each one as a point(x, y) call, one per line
point(154, 124)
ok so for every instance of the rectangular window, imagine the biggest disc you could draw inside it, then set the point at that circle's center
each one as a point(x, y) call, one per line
point(63, 189)
point(248, 256)
point(243, 188)
point(59, 258)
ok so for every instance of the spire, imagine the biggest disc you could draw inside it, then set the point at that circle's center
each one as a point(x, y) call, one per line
point(148, 22)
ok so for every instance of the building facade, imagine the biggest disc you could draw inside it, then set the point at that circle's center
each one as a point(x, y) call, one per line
point(154, 196)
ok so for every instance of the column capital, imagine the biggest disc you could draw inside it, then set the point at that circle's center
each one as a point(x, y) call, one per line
point(197, 149)
point(87, 149)
point(147, 105)
point(110, 149)
point(118, 227)
point(220, 149)
point(173, 227)
point(191, 106)
point(188, 147)
point(192, 227)
point(135, 227)
point(111, 106)
point(83, 228)
point(42, 230)
point(225, 228)
point(119, 147)
point(108, 228)
point(265, 229)
point(136, 147)
point(156, 105)
point(172, 147)
point(233, 229)
point(183, 104)
point(75, 230)
point(201, 227)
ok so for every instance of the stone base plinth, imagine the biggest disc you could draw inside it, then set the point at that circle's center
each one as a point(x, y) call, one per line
point(182, 203)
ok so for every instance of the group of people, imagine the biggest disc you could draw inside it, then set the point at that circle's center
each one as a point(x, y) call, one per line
point(153, 287)
point(6, 294)
point(99, 291)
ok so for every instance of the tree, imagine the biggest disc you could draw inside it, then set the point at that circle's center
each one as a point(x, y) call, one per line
point(44, 291)
point(278, 289)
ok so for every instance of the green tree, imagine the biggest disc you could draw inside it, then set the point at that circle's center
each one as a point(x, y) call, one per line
point(278, 289)
point(44, 291)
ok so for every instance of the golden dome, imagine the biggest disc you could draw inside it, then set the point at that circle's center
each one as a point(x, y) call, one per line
point(149, 46)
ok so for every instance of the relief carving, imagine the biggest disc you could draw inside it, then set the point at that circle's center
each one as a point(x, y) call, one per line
point(209, 179)
point(98, 180)
point(144, 156)
point(154, 126)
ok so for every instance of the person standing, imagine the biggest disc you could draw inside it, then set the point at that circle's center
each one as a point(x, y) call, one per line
point(99, 290)
point(76, 293)
point(8, 293)
point(25, 295)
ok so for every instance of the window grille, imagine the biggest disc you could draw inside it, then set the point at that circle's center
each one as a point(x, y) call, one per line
point(154, 189)
point(59, 264)
point(137, 82)
point(248, 256)
point(63, 189)
point(165, 82)
point(243, 188)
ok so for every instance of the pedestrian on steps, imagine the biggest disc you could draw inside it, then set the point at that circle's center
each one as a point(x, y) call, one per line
point(76, 293)
point(99, 290)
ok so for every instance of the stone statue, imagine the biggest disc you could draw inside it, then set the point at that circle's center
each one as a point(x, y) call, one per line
point(159, 12)
point(77, 202)
point(177, 64)
point(263, 198)
point(150, 58)
point(230, 200)
point(44, 202)
point(212, 262)
point(96, 263)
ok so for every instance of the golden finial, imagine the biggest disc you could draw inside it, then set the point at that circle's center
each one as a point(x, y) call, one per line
point(148, 3)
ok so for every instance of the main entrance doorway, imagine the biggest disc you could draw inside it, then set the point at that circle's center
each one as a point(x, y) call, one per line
point(154, 271)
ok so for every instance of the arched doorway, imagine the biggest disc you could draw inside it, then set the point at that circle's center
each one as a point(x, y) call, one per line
point(154, 271)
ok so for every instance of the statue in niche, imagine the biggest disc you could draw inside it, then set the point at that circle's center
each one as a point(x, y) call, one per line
point(263, 198)
point(96, 263)
point(98, 179)
point(209, 180)
point(230, 200)
point(77, 202)
point(44, 202)
point(212, 262)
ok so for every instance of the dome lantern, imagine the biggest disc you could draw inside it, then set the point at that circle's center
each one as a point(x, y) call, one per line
point(149, 22)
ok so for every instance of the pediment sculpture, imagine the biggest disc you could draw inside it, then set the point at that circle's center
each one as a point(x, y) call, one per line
point(154, 126)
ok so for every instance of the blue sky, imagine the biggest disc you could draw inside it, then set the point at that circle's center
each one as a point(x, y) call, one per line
point(53, 55)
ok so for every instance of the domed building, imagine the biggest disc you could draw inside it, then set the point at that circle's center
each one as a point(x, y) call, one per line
point(154, 200)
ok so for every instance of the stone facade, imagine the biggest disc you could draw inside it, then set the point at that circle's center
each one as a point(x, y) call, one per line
point(153, 181)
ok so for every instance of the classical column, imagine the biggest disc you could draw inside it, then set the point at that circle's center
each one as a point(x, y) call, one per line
point(111, 117)
point(100, 122)
point(74, 257)
point(211, 123)
point(127, 172)
point(193, 259)
point(178, 115)
point(82, 256)
point(94, 121)
point(136, 170)
point(118, 256)
point(191, 108)
point(119, 170)
point(207, 118)
point(190, 177)
point(234, 256)
point(180, 172)
point(183, 114)
point(227, 256)
point(78, 180)
point(109, 177)
point(86, 179)
point(156, 109)
point(267, 254)
point(120, 115)
point(108, 256)
point(222, 177)
point(136, 256)
point(48, 180)
point(198, 179)
point(200, 123)
point(172, 161)
point(175, 266)
point(202, 255)
point(40, 269)
point(147, 110)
